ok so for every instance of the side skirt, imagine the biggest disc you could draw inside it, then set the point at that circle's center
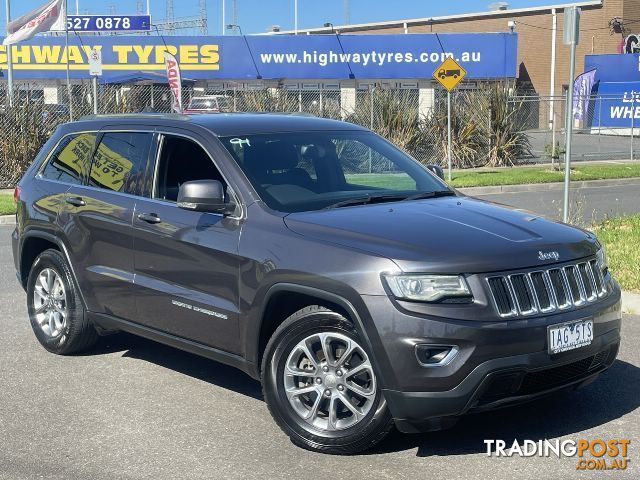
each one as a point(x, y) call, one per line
point(110, 324)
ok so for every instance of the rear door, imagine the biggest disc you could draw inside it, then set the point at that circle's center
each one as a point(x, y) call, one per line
point(97, 219)
point(186, 262)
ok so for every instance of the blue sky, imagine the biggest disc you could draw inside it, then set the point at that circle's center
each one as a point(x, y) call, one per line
point(255, 16)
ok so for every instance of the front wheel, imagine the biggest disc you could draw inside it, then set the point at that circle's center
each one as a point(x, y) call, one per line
point(320, 386)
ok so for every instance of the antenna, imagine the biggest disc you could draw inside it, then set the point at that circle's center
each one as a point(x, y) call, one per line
point(202, 7)
point(139, 7)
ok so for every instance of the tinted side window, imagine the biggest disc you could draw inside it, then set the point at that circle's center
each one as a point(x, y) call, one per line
point(71, 158)
point(120, 161)
point(182, 160)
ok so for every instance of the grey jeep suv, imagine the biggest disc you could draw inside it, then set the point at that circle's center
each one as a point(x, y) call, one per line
point(315, 256)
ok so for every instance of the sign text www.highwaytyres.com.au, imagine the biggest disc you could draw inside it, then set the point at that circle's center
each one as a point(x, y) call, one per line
point(482, 55)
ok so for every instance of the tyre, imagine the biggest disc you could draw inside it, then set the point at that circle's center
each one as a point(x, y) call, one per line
point(319, 384)
point(56, 311)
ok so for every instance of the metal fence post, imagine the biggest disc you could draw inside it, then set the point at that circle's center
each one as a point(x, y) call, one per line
point(633, 114)
point(449, 133)
point(599, 100)
point(94, 81)
point(371, 107)
point(235, 96)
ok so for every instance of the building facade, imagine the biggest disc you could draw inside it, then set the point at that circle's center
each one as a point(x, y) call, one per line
point(540, 34)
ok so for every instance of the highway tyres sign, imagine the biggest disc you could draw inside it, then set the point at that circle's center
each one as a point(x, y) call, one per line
point(109, 23)
point(449, 74)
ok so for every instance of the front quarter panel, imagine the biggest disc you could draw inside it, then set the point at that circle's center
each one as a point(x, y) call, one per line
point(272, 255)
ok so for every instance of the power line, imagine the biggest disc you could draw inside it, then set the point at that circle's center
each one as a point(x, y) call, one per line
point(559, 28)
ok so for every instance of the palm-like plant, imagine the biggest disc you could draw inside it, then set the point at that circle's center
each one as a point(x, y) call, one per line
point(507, 140)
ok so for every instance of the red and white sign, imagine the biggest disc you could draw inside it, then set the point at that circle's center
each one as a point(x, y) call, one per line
point(39, 20)
point(175, 81)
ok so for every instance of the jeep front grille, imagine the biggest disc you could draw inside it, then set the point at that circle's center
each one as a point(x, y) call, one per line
point(548, 290)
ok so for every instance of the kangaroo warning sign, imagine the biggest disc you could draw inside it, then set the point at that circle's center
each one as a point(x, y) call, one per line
point(449, 73)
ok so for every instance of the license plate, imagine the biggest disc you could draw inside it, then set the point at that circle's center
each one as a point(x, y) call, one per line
point(567, 336)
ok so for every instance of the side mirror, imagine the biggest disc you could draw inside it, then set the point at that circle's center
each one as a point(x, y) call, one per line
point(204, 196)
point(437, 170)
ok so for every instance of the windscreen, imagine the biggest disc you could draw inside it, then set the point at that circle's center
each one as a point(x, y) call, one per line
point(302, 171)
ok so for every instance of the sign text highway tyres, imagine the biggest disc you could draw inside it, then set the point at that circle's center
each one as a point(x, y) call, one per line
point(482, 55)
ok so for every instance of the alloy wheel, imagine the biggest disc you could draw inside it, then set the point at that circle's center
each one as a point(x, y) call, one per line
point(329, 381)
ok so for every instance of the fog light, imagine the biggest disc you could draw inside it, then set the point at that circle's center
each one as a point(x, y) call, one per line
point(435, 355)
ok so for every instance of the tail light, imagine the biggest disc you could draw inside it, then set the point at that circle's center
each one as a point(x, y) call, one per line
point(16, 194)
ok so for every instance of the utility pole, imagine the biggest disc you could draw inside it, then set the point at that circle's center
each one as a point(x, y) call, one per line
point(295, 17)
point(552, 90)
point(571, 38)
point(9, 59)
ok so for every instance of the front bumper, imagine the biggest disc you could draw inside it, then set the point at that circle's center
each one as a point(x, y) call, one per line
point(499, 363)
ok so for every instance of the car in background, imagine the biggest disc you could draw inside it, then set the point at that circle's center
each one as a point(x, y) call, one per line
point(208, 104)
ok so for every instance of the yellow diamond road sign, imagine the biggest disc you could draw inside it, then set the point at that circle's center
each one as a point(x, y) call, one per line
point(449, 73)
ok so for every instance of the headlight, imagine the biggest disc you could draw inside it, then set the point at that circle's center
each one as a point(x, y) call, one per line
point(427, 288)
point(601, 259)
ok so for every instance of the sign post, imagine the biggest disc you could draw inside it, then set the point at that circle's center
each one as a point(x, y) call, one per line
point(449, 74)
point(571, 38)
point(95, 70)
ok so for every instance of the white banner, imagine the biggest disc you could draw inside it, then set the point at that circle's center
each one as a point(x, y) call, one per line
point(175, 81)
point(39, 20)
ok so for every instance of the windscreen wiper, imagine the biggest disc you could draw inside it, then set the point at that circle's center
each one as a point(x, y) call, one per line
point(434, 194)
point(367, 199)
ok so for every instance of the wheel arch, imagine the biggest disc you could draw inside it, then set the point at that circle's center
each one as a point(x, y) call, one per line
point(32, 245)
point(303, 295)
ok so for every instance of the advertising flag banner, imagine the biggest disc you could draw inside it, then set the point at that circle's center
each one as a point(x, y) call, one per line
point(582, 94)
point(175, 81)
point(39, 20)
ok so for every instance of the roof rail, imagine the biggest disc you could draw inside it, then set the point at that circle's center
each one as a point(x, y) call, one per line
point(174, 116)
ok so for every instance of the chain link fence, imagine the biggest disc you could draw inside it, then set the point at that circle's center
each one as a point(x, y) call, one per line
point(492, 125)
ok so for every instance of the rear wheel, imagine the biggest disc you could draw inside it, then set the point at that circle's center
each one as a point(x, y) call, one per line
point(55, 310)
point(320, 386)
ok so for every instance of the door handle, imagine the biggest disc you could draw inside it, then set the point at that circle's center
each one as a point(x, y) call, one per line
point(149, 217)
point(75, 201)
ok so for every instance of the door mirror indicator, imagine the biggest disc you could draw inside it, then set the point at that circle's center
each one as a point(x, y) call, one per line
point(204, 196)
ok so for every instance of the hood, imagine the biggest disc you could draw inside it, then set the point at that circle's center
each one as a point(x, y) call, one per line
point(447, 235)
